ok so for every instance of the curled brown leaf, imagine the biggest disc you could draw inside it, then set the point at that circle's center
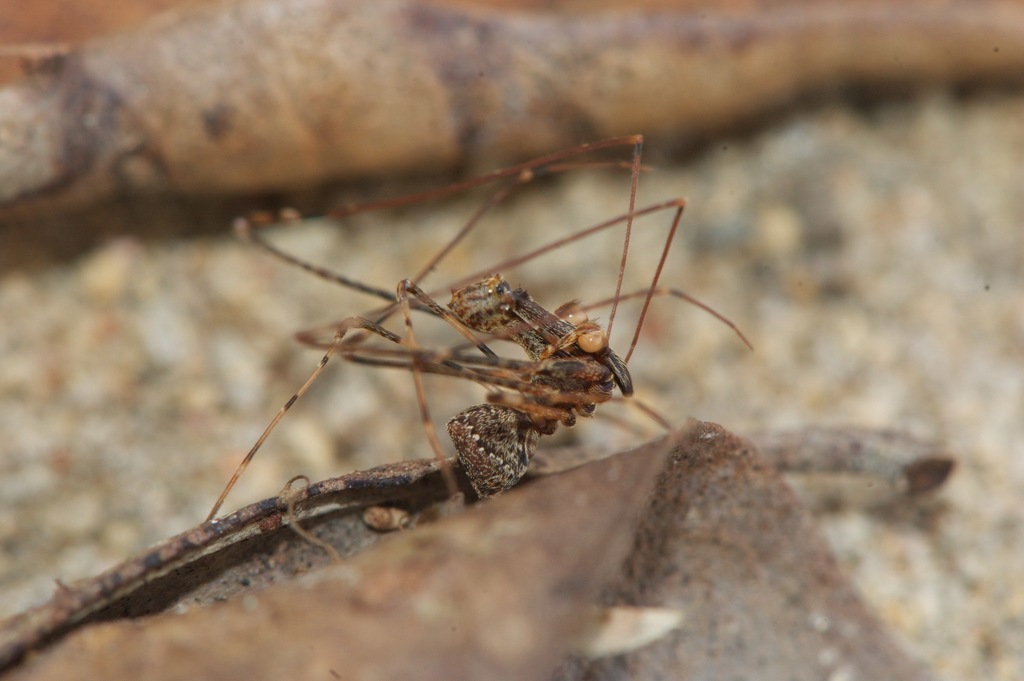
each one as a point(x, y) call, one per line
point(267, 95)
point(504, 590)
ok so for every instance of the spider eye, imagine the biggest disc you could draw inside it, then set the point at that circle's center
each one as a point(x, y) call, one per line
point(592, 342)
point(575, 316)
point(503, 288)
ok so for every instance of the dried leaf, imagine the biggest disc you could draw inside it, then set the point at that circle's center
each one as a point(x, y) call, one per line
point(214, 561)
point(501, 591)
point(253, 96)
point(726, 542)
point(498, 592)
point(905, 464)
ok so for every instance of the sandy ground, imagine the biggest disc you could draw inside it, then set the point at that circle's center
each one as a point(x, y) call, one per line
point(874, 259)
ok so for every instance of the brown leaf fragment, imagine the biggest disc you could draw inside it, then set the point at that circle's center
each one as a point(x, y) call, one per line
point(386, 518)
point(250, 548)
point(500, 591)
point(908, 464)
point(267, 95)
point(727, 543)
point(36, 24)
point(926, 475)
point(617, 630)
point(503, 590)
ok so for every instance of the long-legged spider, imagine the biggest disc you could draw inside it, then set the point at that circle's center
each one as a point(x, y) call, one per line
point(571, 368)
